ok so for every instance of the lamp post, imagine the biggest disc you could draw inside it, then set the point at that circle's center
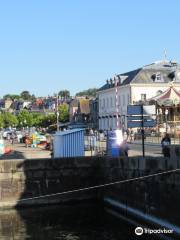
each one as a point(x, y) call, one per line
point(166, 114)
point(116, 103)
point(57, 113)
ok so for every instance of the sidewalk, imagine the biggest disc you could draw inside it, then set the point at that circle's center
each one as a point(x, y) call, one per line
point(154, 143)
point(19, 151)
point(139, 142)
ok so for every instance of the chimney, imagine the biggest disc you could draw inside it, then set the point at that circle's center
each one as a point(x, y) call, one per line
point(119, 79)
point(111, 81)
point(114, 81)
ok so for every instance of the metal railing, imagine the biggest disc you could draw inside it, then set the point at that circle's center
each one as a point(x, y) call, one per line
point(95, 144)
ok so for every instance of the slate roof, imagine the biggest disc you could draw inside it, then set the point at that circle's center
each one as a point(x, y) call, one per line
point(130, 76)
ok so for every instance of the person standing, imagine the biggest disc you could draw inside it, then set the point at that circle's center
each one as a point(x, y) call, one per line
point(131, 136)
point(125, 148)
point(12, 138)
point(165, 143)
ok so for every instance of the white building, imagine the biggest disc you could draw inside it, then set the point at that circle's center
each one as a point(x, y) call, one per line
point(134, 87)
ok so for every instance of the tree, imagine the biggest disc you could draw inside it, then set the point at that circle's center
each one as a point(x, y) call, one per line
point(33, 97)
point(64, 94)
point(25, 118)
point(63, 113)
point(12, 96)
point(25, 95)
point(1, 121)
point(37, 119)
point(9, 119)
point(91, 92)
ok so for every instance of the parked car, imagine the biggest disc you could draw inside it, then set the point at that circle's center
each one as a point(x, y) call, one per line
point(6, 132)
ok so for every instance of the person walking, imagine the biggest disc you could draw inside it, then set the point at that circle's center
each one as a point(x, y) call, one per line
point(125, 148)
point(13, 136)
point(165, 143)
point(131, 136)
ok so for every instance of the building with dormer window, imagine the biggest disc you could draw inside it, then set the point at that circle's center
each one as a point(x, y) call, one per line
point(134, 87)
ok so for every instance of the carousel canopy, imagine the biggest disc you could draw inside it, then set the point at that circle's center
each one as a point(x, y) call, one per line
point(167, 98)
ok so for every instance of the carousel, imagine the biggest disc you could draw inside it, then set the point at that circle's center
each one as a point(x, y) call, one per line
point(167, 111)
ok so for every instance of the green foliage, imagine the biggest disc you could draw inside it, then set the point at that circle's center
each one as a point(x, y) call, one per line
point(41, 120)
point(12, 96)
point(25, 118)
point(1, 120)
point(33, 97)
point(63, 113)
point(48, 120)
point(64, 94)
point(37, 119)
point(9, 120)
point(91, 92)
point(27, 96)
point(24, 95)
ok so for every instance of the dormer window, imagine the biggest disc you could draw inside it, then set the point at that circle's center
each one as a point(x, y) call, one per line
point(158, 77)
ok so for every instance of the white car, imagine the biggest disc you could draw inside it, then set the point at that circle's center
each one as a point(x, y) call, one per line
point(5, 133)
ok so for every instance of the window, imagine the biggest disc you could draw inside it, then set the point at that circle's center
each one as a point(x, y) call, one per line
point(107, 102)
point(128, 100)
point(124, 100)
point(158, 77)
point(143, 97)
point(111, 102)
point(103, 103)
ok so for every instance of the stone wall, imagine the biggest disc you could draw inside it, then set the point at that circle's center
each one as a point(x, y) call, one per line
point(28, 179)
point(25, 179)
point(157, 196)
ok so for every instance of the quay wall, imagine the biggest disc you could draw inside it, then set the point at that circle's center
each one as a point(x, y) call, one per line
point(23, 182)
point(26, 182)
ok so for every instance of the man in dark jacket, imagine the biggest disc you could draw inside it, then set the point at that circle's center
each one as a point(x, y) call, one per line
point(165, 143)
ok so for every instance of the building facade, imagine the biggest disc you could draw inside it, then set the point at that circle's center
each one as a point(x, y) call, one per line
point(134, 87)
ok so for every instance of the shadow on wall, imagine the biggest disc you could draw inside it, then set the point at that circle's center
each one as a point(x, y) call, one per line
point(24, 180)
point(48, 177)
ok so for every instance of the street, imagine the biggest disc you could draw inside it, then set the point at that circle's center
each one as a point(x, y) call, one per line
point(135, 148)
point(150, 149)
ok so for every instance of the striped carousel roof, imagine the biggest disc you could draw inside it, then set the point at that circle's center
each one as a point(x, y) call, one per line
point(169, 97)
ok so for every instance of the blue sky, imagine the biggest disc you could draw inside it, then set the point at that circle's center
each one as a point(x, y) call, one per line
point(47, 46)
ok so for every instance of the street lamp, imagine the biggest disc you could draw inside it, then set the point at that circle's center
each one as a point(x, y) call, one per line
point(57, 112)
point(166, 114)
